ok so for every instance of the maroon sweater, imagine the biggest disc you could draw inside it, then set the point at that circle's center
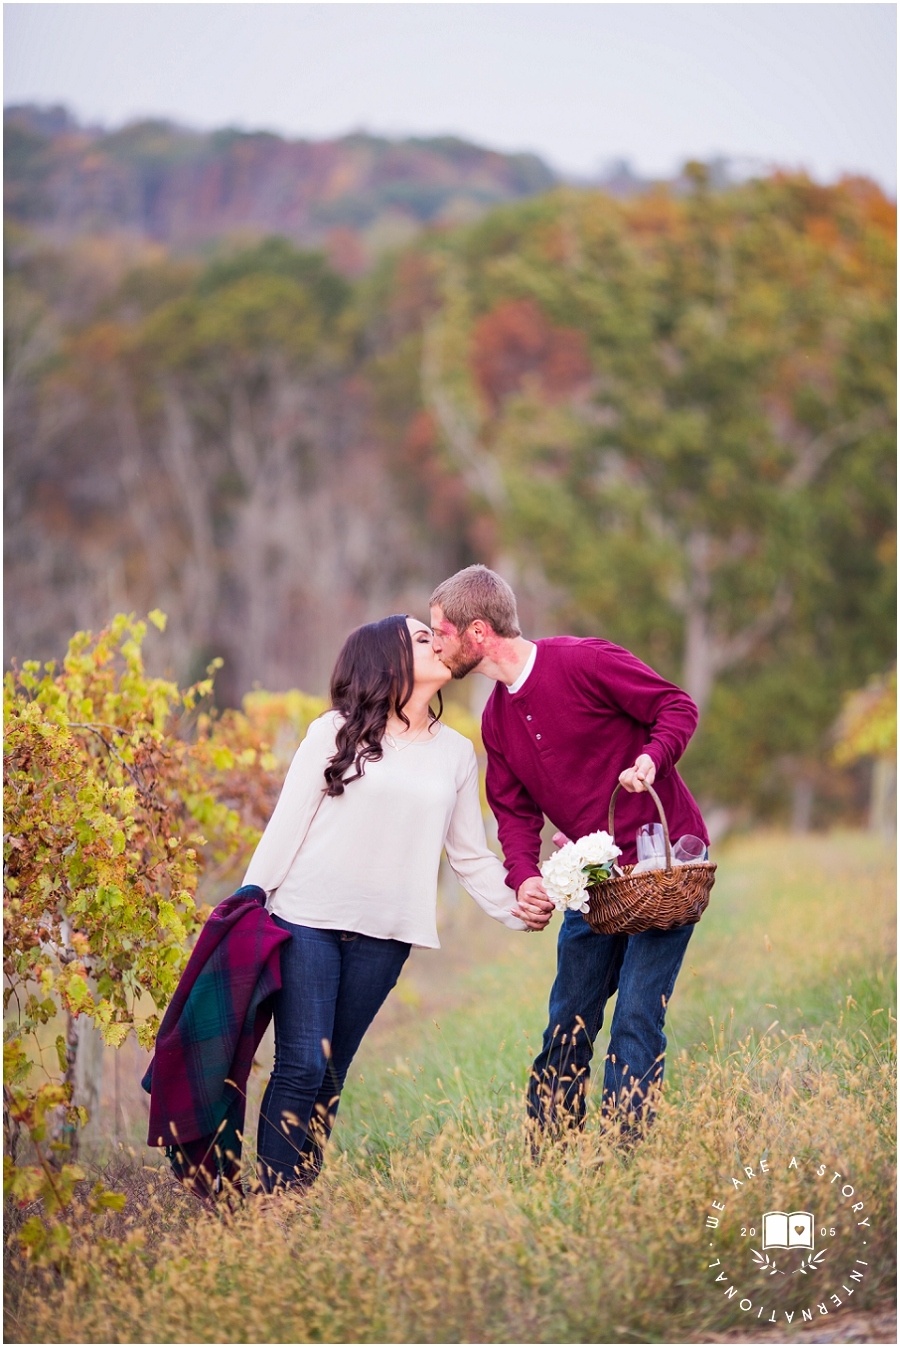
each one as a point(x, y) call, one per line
point(587, 710)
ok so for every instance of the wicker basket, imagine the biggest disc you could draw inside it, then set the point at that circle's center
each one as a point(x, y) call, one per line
point(656, 900)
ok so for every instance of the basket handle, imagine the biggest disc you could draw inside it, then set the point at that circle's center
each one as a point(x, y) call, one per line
point(662, 818)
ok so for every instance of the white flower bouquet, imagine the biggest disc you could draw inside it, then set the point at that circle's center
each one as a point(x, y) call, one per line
point(569, 872)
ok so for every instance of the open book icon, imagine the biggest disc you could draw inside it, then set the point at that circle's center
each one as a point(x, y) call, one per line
point(788, 1230)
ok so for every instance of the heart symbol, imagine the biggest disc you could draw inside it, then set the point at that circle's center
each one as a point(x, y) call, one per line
point(799, 1229)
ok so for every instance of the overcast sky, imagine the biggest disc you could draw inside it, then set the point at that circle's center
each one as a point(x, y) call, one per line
point(800, 85)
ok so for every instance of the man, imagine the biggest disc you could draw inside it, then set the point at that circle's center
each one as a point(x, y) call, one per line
point(567, 720)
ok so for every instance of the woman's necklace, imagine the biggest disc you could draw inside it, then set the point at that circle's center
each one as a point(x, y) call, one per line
point(398, 748)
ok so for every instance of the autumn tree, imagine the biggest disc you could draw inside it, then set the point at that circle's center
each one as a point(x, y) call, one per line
point(200, 441)
point(867, 730)
point(681, 413)
point(120, 792)
point(668, 420)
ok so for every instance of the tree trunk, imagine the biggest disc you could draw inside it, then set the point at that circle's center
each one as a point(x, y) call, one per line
point(191, 491)
point(699, 657)
point(84, 1072)
point(477, 466)
point(132, 474)
point(708, 651)
point(883, 798)
point(88, 1075)
point(803, 794)
point(64, 1149)
point(699, 645)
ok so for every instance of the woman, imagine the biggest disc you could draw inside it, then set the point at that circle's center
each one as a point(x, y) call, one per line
point(350, 861)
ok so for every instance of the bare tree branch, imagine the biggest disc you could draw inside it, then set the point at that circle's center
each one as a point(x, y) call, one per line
point(732, 649)
point(181, 460)
point(132, 477)
point(241, 438)
point(706, 652)
point(479, 468)
point(813, 455)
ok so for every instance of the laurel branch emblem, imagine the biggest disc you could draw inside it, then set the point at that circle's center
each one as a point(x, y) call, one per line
point(765, 1264)
point(810, 1264)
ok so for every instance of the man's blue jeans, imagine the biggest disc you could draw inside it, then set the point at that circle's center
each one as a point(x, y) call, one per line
point(332, 985)
point(642, 969)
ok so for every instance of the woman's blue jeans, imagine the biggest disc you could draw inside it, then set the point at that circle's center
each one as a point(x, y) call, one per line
point(642, 969)
point(332, 986)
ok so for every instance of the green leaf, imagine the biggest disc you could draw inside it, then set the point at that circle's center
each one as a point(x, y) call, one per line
point(223, 758)
point(33, 1235)
point(22, 1183)
point(16, 1064)
point(115, 1034)
point(78, 993)
point(104, 1199)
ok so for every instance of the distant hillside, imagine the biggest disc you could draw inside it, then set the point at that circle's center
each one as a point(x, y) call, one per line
point(182, 188)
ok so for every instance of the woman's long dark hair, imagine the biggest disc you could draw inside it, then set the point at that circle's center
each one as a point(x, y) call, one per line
point(372, 678)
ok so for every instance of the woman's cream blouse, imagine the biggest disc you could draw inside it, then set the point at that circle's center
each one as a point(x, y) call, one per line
point(368, 860)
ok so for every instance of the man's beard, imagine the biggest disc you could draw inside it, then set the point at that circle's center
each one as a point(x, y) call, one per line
point(464, 661)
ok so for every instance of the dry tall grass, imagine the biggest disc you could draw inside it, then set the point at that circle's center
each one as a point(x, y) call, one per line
point(431, 1222)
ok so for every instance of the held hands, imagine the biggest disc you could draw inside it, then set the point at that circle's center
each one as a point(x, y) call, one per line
point(637, 778)
point(532, 904)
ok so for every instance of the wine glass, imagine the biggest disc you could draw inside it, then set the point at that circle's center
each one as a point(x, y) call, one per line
point(688, 850)
point(651, 845)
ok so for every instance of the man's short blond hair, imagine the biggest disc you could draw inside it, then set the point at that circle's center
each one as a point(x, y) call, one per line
point(478, 592)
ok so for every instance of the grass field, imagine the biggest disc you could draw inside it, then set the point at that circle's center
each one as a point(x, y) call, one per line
point(431, 1222)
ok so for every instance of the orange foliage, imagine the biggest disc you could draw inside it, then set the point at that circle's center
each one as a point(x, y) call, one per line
point(446, 498)
point(420, 436)
point(345, 251)
point(101, 343)
point(653, 213)
point(824, 232)
point(415, 292)
point(516, 340)
point(878, 209)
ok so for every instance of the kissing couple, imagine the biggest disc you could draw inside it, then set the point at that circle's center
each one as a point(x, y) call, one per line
point(348, 866)
point(380, 786)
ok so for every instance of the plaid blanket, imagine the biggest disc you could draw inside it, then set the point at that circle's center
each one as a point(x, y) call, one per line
point(206, 1042)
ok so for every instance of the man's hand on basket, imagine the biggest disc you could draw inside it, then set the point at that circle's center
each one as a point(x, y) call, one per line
point(532, 904)
point(640, 776)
